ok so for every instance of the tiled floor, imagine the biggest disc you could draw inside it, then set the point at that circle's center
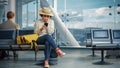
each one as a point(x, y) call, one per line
point(75, 58)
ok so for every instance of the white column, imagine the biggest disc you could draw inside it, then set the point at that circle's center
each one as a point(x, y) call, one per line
point(10, 6)
point(55, 5)
point(65, 5)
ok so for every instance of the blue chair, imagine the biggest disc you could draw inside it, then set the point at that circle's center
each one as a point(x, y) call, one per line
point(26, 47)
point(24, 32)
point(20, 47)
point(7, 38)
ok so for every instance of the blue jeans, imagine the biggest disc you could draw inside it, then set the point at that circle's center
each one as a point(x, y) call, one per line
point(49, 43)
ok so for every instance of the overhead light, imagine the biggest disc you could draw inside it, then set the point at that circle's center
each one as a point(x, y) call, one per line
point(110, 13)
point(118, 5)
point(118, 12)
point(110, 6)
point(3, 2)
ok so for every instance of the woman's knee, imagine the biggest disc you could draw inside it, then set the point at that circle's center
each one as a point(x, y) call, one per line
point(46, 42)
point(48, 36)
point(47, 45)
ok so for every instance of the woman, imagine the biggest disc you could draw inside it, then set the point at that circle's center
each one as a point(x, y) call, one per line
point(45, 27)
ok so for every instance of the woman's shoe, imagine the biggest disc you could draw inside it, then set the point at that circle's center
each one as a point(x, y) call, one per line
point(60, 53)
point(46, 66)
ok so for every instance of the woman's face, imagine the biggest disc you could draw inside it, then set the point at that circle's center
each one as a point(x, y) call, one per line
point(45, 18)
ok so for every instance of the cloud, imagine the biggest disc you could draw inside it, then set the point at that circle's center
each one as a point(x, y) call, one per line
point(118, 9)
point(74, 12)
point(75, 25)
point(101, 11)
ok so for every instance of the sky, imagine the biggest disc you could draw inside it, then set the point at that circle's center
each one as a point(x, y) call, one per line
point(83, 4)
point(89, 11)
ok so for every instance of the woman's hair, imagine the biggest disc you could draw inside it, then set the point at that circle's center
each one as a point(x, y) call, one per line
point(10, 14)
point(42, 15)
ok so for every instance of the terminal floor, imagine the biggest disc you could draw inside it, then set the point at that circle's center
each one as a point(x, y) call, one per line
point(74, 58)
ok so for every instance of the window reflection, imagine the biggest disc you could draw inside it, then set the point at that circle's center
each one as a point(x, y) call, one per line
point(86, 14)
point(95, 13)
point(28, 14)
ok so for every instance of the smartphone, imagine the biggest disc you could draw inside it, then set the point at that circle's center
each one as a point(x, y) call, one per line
point(46, 24)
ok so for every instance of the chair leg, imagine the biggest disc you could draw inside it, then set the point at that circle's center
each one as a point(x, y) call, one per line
point(15, 55)
point(35, 55)
point(8, 54)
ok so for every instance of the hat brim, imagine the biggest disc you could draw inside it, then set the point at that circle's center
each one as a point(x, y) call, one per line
point(42, 13)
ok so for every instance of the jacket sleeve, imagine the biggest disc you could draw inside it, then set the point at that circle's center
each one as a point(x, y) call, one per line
point(51, 27)
point(36, 28)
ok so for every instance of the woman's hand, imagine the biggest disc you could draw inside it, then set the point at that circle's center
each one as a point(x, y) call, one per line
point(43, 28)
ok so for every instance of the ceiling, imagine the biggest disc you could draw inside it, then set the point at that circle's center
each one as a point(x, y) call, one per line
point(3, 2)
point(26, 1)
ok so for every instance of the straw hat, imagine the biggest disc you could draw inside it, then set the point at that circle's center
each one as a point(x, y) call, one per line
point(45, 11)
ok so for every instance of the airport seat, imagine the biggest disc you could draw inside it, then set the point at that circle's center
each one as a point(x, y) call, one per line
point(115, 40)
point(7, 39)
point(26, 47)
